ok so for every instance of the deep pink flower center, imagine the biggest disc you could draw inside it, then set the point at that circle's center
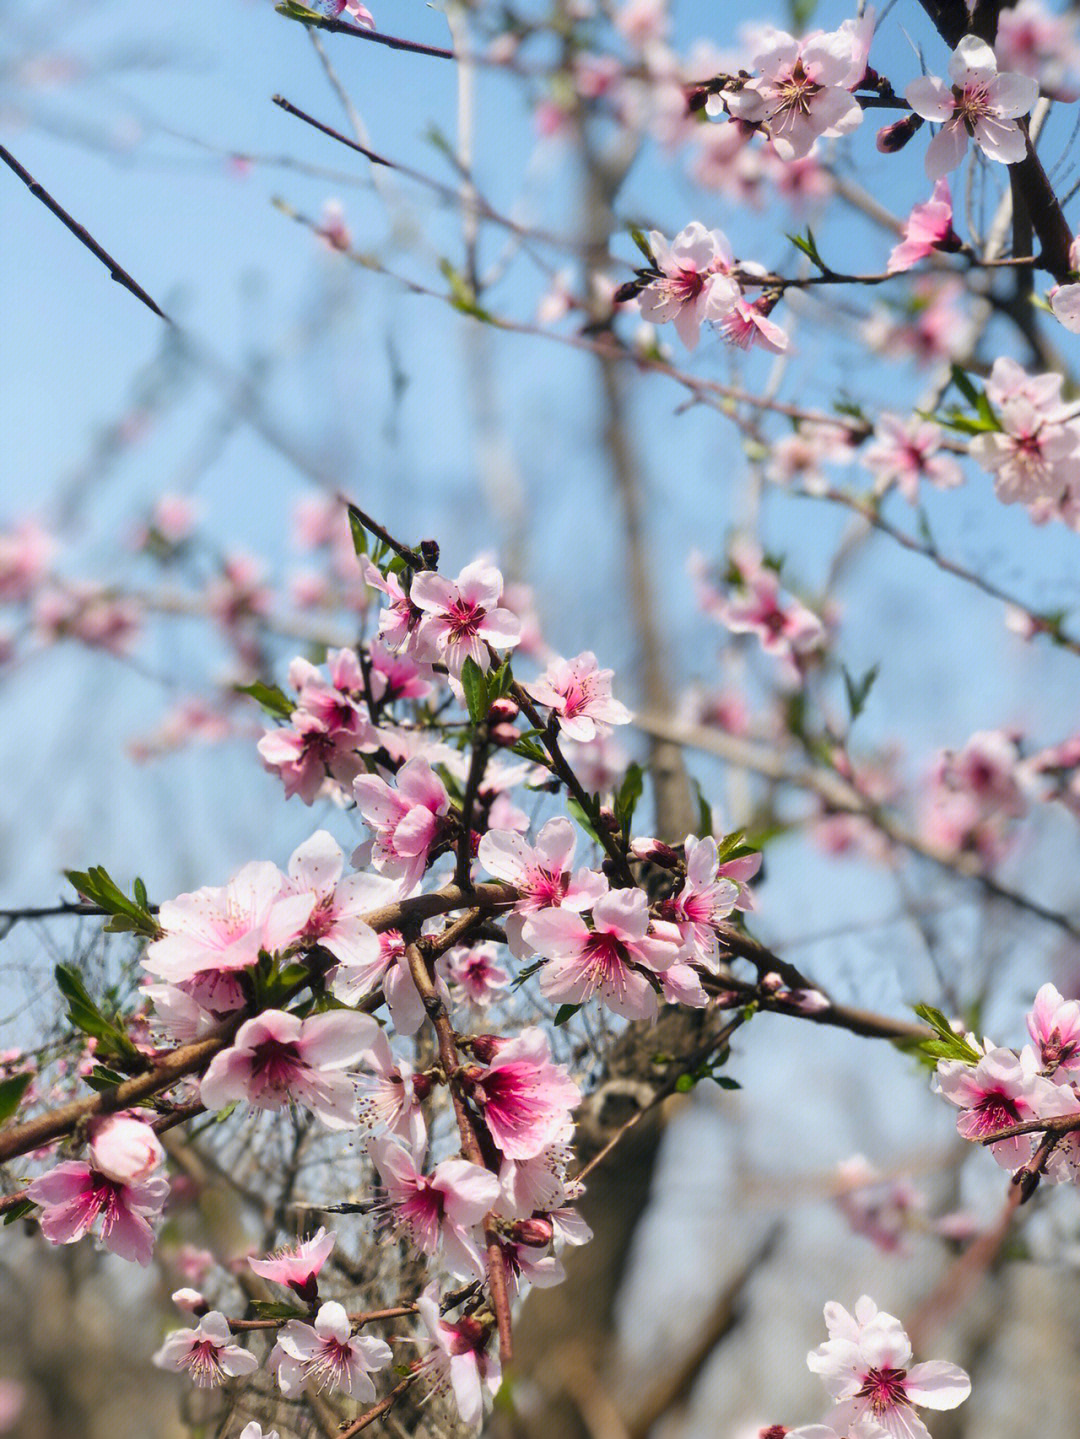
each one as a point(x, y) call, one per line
point(606, 953)
point(686, 285)
point(331, 1365)
point(513, 1096)
point(996, 1110)
point(884, 1389)
point(547, 888)
point(275, 1064)
point(575, 697)
point(464, 618)
point(202, 1361)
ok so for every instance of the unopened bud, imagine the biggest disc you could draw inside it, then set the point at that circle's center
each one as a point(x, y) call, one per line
point(503, 710)
point(504, 735)
point(656, 851)
point(429, 549)
point(608, 820)
point(534, 1232)
point(191, 1301)
point(697, 99)
point(771, 983)
point(486, 1046)
point(629, 291)
point(421, 1086)
point(892, 138)
point(471, 1074)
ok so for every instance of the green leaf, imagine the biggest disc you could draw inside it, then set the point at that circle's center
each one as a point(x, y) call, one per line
point(274, 700)
point(949, 1044)
point(685, 1083)
point(500, 681)
point(565, 1012)
point(630, 792)
point(101, 1078)
point(802, 12)
point(587, 822)
point(17, 1211)
point(725, 1081)
point(858, 690)
point(84, 1015)
point(959, 378)
point(474, 683)
point(358, 532)
point(705, 820)
point(292, 11)
point(96, 885)
point(808, 246)
point(462, 294)
point(276, 1309)
point(11, 1093)
point(223, 1114)
point(527, 973)
point(527, 748)
point(733, 846)
point(639, 239)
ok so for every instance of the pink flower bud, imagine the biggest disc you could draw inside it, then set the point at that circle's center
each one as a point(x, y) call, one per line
point(503, 709)
point(656, 851)
point(191, 1301)
point(504, 735)
point(124, 1149)
point(771, 983)
point(486, 1046)
point(534, 1231)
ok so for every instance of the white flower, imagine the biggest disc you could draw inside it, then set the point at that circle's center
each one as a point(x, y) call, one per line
point(980, 103)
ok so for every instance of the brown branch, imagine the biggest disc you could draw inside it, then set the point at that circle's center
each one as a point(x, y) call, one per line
point(83, 235)
point(470, 1143)
point(383, 1407)
point(358, 32)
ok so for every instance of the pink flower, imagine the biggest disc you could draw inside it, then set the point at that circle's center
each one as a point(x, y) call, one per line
point(1040, 44)
point(205, 1352)
point(541, 875)
point(747, 324)
point(387, 967)
point(693, 284)
point(1002, 1089)
point(607, 959)
point(525, 1098)
point(786, 628)
point(299, 1266)
point(336, 921)
point(124, 1149)
point(26, 551)
point(405, 819)
point(804, 88)
point(439, 1211)
point(277, 1058)
point(74, 1196)
point(579, 692)
point(703, 902)
point(473, 969)
point(875, 1206)
point(1065, 303)
point(389, 1094)
point(980, 103)
point(400, 620)
point(929, 227)
point(328, 729)
point(1035, 456)
point(327, 1355)
point(459, 1358)
point(864, 1366)
point(462, 618)
point(905, 451)
point(225, 928)
point(1054, 1026)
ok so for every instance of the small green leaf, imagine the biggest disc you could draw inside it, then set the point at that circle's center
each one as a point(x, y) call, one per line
point(528, 749)
point(858, 690)
point(949, 1044)
point(462, 294)
point(84, 1014)
point(705, 819)
point(725, 1081)
point(101, 1078)
point(527, 973)
point(292, 11)
point(11, 1093)
point(960, 379)
point(474, 683)
point(685, 1083)
point(17, 1211)
point(639, 239)
point(630, 792)
point(586, 821)
point(808, 246)
point(564, 1013)
point(274, 700)
point(358, 532)
point(276, 1309)
point(223, 1114)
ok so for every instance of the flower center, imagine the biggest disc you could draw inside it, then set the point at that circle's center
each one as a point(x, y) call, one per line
point(275, 1065)
point(464, 618)
point(202, 1363)
point(884, 1389)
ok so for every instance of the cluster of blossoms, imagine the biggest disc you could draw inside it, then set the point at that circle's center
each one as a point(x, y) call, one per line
point(1034, 454)
point(995, 1088)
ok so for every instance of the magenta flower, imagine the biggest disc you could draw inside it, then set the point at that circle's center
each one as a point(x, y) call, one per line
point(327, 1355)
point(694, 284)
point(437, 1212)
point(606, 960)
point(804, 89)
point(299, 1266)
point(747, 324)
point(73, 1197)
point(1054, 1026)
point(123, 1148)
point(579, 692)
point(980, 103)
point(524, 1097)
point(864, 1366)
point(786, 628)
point(405, 818)
point(473, 970)
point(205, 1352)
point(459, 1358)
point(226, 928)
point(277, 1059)
point(462, 617)
point(1002, 1089)
point(905, 451)
point(541, 875)
point(929, 227)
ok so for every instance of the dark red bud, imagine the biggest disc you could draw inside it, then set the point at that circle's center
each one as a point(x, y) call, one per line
point(774, 1431)
point(534, 1232)
point(951, 243)
point(486, 1046)
point(429, 549)
point(503, 735)
point(608, 820)
point(629, 291)
point(892, 138)
point(696, 100)
point(503, 710)
point(656, 851)
point(421, 1086)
